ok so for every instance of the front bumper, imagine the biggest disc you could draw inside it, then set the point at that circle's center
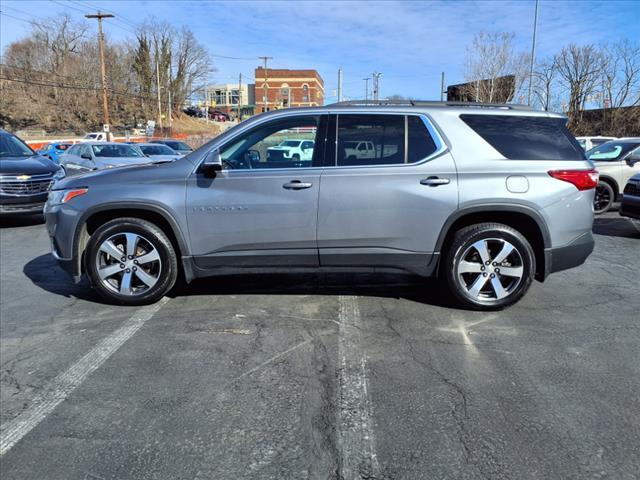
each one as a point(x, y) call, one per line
point(630, 206)
point(569, 256)
point(21, 208)
point(61, 222)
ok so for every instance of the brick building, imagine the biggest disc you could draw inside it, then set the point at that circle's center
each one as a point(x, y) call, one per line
point(282, 88)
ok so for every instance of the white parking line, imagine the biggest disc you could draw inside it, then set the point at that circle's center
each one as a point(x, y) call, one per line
point(65, 383)
point(356, 441)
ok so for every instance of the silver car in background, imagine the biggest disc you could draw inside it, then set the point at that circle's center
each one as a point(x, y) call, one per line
point(158, 151)
point(485, 197)
point(87, 156)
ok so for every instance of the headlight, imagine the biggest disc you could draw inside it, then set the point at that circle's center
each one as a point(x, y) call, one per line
point(57, 197)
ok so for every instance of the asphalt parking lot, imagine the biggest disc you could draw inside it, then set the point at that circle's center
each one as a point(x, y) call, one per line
point(320, 376)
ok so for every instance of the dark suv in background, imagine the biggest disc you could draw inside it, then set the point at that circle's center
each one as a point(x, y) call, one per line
point(25, 176)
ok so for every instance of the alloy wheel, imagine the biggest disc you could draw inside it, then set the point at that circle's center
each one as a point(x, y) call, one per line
point(602, 200)
point(128, 264)
point(490, 269)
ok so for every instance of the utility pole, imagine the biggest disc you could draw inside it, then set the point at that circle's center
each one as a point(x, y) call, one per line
point(266, 79)
point(158, 88)
point(376, 85)
point(533, 52)
point(105, 102)
point(340, 84)
point(366, 88)
point(442, 87)
point(169, 95)
point(240, 98)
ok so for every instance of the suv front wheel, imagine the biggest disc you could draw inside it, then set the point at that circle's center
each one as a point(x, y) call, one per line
point(131, 261)
point(489, 266)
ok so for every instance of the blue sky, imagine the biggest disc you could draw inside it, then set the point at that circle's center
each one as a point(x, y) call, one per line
point(409, 42)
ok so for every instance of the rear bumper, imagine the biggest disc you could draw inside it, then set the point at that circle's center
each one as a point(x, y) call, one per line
point(630, 206)
point(569, 256)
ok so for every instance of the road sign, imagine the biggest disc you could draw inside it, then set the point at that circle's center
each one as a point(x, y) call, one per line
point(105, 127)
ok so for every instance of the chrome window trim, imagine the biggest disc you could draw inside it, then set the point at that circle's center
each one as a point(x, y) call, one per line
point(441, 145)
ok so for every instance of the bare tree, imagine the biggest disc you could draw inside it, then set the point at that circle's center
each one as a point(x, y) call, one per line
point(490, 57)
point(544, 82)
point(579, 69)
point(621, 74)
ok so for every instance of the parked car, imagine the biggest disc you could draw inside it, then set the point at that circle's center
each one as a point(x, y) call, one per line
point(587, 143)
point(194, 112)
point(95, 137)
point(218, 115)
point(616, 161)
point(88, 156)
point(54, 150)
point(515, 204)
point(630, 205)
point(158, 151)
point(175, 145)
point(293, 149)
point(25, 176)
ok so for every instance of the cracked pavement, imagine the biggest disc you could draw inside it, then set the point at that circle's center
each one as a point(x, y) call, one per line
point(239, 376)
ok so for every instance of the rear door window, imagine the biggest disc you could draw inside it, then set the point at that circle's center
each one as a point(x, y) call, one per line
point(526, 138)
point(370, 139)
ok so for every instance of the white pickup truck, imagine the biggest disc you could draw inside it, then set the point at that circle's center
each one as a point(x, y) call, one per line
point(360, 150)
point(95, 137)
point(295, 149)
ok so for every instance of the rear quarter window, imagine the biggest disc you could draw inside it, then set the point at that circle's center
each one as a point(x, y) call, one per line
point(526, 138)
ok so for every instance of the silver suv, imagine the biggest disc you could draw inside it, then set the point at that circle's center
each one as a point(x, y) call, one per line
point(487, 197)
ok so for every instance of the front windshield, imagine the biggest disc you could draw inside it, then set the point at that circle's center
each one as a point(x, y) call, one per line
point(290, 143)
point(116, 151)
point(91, 136)
point(157, 150)
point(610, 151)
point(179, 146)
point(11, 146)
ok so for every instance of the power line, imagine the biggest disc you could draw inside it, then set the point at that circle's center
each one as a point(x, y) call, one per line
point(119, 17)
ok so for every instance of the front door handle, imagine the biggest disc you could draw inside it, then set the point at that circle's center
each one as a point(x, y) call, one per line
point(434, 181)
point(297, 185)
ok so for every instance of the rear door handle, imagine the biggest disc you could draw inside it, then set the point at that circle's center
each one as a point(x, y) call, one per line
point(434, 181)
point(297, 185)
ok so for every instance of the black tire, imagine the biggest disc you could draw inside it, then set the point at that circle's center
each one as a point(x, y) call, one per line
point(295, 157)
point(166, 267)
point(494, 236)
point(604, 198)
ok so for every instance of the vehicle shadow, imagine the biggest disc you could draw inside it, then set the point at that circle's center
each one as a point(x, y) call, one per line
point(45, 273)
point(10, 221)
point(409, 287)
point(616, 227)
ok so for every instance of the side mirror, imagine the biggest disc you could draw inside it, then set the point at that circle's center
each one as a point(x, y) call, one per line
point(86, 156)
point(212, 163)
point(633, 159)
point(252, 156)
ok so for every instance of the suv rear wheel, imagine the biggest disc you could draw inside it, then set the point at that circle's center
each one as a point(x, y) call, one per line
point(489, 266)
point(131, 261)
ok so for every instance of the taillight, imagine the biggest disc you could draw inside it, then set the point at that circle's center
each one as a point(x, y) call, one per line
point(582, 179)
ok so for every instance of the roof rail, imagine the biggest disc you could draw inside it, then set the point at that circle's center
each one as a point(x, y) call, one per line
point(428, 103)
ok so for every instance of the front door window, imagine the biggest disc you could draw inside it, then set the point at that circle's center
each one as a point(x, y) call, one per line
point(285, 143)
